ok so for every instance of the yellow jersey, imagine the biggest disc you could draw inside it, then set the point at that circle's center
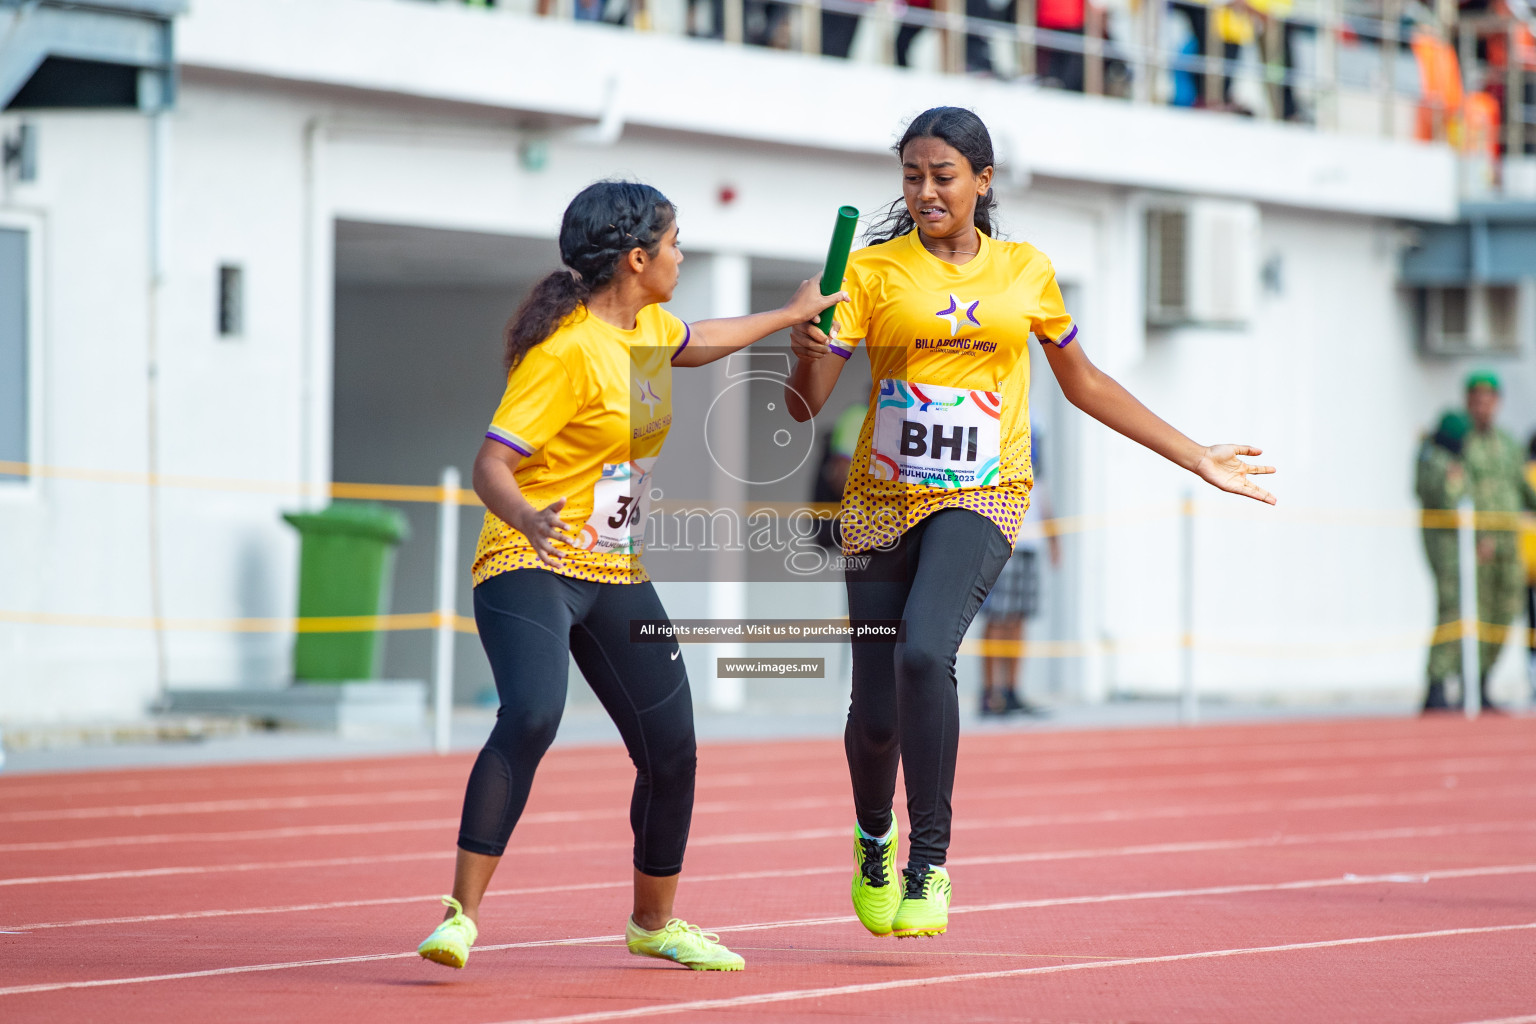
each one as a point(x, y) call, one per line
point(588, 408)
point(948, 419)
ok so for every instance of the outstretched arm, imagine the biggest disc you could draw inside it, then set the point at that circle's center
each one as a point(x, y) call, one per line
point(1100, 396)
point(716, 339)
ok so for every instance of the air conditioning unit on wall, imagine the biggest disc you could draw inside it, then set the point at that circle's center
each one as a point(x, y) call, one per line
point(1467, 319)
point(1202, 262)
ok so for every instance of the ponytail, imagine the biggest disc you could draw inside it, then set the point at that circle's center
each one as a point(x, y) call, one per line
point(961, 129)
point(552, 300)
point(603, 224)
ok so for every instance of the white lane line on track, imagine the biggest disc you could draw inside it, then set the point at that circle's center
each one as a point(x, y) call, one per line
point(1193, 846)
point(1097, 786)
point(1528, 1019)
point(246, 835)
point(795, 995)
point(799, 872)
point(802, 835)
point(1460, 794)
point(846, 919)
point(286, 803)
point(983, 763)
point(1035, 752)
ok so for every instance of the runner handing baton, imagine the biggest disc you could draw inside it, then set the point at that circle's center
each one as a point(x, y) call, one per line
point(941, 478)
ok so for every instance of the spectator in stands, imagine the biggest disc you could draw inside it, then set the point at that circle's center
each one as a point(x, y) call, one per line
point(1060, 69)
point(1514, 26)
point(1440, 481)
point(908, 32)
point(1055, 67)
point(1239, 23)
point(1495, 469)
point(1013, 598)
point(1198, 15)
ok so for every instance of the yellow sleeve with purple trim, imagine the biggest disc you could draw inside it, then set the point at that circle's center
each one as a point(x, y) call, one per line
point(851, 320)
point(1050, 321)
point(675, 330)
point(540, 399)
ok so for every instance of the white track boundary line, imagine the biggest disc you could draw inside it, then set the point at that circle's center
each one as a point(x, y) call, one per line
point(1058, 754)
point(1462, 765)
point(805, 872)
point(795, 995)
point(1528, 1019)
point(1189, 846)
point(285, 803)
point(773, 997)
point(743, 876)
point(1438, 794)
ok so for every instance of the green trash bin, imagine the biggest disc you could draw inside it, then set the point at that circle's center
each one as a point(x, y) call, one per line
point(346, 560)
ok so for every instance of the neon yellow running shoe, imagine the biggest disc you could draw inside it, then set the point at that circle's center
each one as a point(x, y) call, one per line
point(450, 941)
point(875, 892)
point(924, 906)
point(683, 943)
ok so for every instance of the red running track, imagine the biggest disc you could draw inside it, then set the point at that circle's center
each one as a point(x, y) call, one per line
point(1341, 871)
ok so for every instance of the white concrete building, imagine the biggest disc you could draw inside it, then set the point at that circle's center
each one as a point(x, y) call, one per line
point(385, 177)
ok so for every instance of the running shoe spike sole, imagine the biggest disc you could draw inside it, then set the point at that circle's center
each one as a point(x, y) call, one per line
point(682, 943)
point(924, 910)
point(450, 941)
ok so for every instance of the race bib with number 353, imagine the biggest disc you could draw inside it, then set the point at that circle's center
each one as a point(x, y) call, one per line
point(936, 436)
point(621, 504)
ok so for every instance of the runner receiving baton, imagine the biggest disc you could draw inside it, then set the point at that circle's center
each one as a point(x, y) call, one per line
point(564, 474)
point(940, 480)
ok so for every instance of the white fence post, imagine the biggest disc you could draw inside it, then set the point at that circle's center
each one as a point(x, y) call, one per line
point(1466, 564)
point(447, 612)
point(1189, 702)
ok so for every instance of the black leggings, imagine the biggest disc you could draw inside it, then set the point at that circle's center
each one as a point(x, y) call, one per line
point(904, 706)
point(531, 622)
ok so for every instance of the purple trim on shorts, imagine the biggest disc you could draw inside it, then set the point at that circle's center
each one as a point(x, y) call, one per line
point(687, 334)
point(1066, 339)
point(509, 444)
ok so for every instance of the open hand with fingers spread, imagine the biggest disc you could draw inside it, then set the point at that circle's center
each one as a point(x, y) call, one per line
point(542, 527)
point(1221, 467)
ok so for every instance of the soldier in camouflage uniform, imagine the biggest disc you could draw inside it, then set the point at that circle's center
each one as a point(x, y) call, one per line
point(1441, 482)
point(1495, 472)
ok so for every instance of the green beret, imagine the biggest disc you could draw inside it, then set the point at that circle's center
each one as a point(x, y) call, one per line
point(1454, 426)
point(1487, 377)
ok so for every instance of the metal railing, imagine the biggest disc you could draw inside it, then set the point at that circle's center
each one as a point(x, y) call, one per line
point(1308, 62)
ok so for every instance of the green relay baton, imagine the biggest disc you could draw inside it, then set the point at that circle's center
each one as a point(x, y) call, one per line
point(837, 260)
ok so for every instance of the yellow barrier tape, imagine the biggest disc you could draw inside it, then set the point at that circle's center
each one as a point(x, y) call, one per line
point(1433, 519)
point(310, 624)
point(359, 492)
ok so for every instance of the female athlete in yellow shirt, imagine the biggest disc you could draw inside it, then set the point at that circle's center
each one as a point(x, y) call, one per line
point(564, 472)
point(941, 478)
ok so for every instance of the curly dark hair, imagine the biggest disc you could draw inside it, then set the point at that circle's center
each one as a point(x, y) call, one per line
point(605, 221)
point(963, 130)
